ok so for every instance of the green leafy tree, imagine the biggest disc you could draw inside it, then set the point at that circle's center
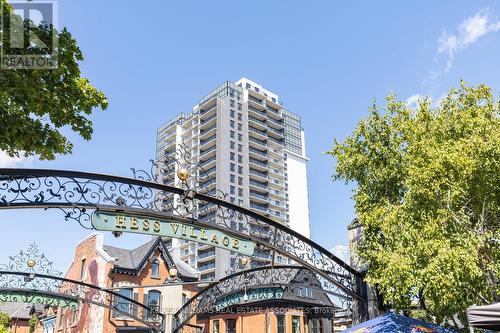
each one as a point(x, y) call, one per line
point(36, 104)
point(4, 322)
point(428, 197)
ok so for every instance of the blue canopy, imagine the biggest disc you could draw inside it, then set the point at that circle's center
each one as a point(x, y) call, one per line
point(392, 322)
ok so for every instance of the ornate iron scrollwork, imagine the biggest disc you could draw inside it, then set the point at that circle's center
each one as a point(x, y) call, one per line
point(29, 277)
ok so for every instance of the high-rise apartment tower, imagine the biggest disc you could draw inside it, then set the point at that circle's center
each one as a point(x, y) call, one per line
point(251, 148)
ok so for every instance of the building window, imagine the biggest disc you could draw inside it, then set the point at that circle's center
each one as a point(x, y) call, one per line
point(240, 127)
point(230, 325)
point(240, 169)
point(240, 180)
point(232, 167)
point(232, 113)
point(239, 106)
point(122, 303)
point(231, 102)
point(240, 158)
point(74, 316)
point(232, 178)
point(154, 298)
point(155, 268)
point(240, 137)
point(184, 298)
point(295, 324)
point(240, 148)
point(216, 326)
point(315, 325)
point(280, 324)
point(240, 192)
point(232, 156)
point(231, 134)
point(83, 271)
point(231, 124)
point(240, 116)
point(232, 144)
point(231, 189)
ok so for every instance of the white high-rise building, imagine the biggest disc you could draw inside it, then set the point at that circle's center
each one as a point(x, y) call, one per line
point(251, 148)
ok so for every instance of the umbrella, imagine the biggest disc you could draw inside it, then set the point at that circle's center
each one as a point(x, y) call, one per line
point(486, 316)
point(392, 322)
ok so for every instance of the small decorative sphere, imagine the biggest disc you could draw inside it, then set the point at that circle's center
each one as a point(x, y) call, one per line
point(183, 174)
point(172, 272)
point(244, 261)
point(31, 263)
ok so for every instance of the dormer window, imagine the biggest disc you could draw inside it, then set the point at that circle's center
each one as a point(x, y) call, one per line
point(155, 268)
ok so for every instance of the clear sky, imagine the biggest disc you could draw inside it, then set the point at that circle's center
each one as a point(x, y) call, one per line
point(326, 59)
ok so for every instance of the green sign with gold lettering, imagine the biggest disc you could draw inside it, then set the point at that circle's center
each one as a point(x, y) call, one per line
point(113, 221)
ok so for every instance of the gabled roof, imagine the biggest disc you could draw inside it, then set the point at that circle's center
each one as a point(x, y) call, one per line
point(133, 261)
point(20, 310)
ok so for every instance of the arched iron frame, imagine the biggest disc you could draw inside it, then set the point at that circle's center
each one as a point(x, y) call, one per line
point(79, 194)
point(288, 277)
point(28, 287)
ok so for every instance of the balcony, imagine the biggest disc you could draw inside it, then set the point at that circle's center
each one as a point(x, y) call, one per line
point(257, 206)
point(275, 143)
point(258, 142)
point(254, 111)
point(257, 151)
point(258, 195)
point(258, 173)
point(207, 140)
point(208, 110)
point(260, 123)
point(205, 152)
point(279, 133)
point(206, 120)
point(208, 129)
point(257, 133)
point(276, 172)
point(277, 124)
point(258, 184)
point(208, 163)
point(206, 266)
point(208, 183)
point(206, 254)
point(257, 162)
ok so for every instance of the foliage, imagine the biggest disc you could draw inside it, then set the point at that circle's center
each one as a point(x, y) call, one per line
point(33, 322)
point(428, 197)
point(4, 322)
point(36, 104)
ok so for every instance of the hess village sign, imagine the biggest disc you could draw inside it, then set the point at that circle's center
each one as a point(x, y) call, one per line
point(119, 222)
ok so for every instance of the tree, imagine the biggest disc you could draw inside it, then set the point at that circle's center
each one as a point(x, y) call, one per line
point(35, 104)
point(4, 322)
point(428, 197)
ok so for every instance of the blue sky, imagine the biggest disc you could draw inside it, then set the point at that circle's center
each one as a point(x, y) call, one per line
point(326, 59)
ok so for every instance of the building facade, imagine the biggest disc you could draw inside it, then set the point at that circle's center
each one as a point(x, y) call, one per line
point(249, 147)
point(141, 274)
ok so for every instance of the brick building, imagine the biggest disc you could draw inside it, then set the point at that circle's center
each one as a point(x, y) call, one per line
point(142, 274)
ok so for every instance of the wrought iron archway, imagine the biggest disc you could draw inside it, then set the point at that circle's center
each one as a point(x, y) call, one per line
point(273, 282)
point(29, 277)
point(80, 194)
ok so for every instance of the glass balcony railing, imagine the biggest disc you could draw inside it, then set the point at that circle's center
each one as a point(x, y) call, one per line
point(207, 266)
point(202, 142)
point(258, 195)
point(202, 164)
point(206, 254)
point(258, 173)
point(260, 152)
point(258, 184)
point(251, 108)
point(253, 129)
point(260, 142)
point(256, 161)
point(205, 130)
point(203, 152)
point(204, 121)
point(263, 123)
point(259, 207)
